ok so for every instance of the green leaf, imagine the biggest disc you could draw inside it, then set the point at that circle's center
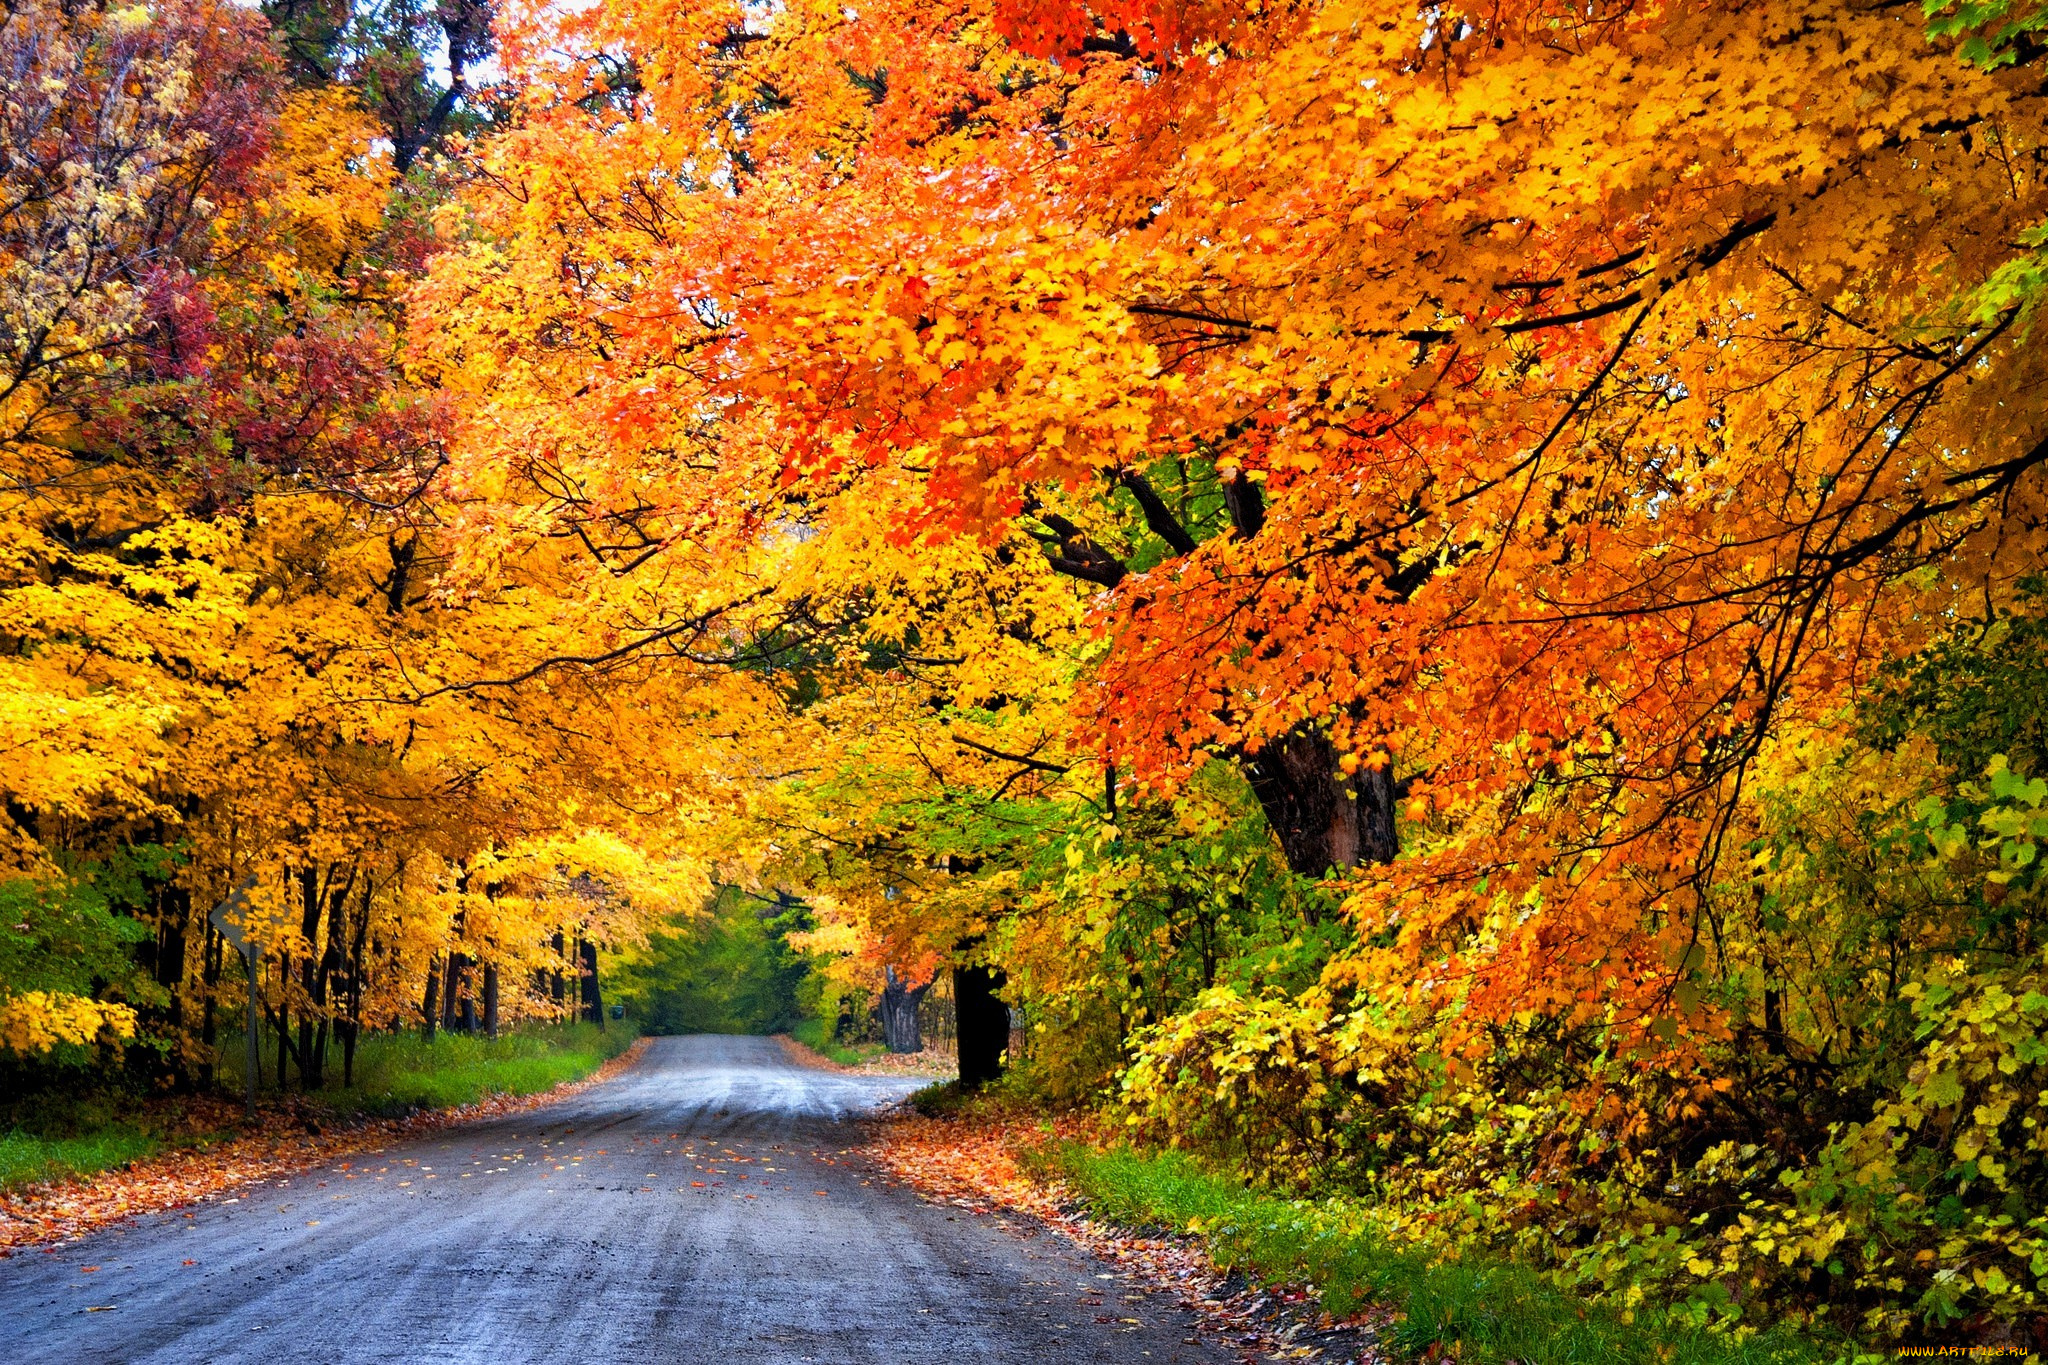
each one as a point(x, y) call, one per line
point(1944, 1089)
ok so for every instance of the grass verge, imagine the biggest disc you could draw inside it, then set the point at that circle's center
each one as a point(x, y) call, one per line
point(816, 1034)
point(26, 1158)
point(55, 1135)
point(1481, 1312)
point(396, 1073)
point(51, 1132)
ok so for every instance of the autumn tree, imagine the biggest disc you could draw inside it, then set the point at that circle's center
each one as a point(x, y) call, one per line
point(1356, 553)
point(230, 597)
point(1497, 439)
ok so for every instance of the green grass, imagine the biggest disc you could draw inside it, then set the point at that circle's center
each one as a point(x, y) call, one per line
point(53, 1131)
point(56, 1133)
point(816, 1034)
point(399, 1072)
point(26, 1158)
point(1490, 1312)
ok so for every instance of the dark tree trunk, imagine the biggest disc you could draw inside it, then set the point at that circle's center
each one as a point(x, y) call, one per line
point(430, 1006)
point(174, 917)
point(455, 991)
point(355, 991)
point(1378, 840)
point(593, 998)
point(490, 1000)
point(309, 926)
point(1246, 505)
point(557, 991)
point(312, 907)
point(209, 976)
point(900, 1032)
point(332, 961)
point(455, 982)
point(283, 1019)
point(1323, 819)
point(983, 1021)
point(255, 1024)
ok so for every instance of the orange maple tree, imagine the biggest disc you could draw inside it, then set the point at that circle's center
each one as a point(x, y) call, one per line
point(1495, 437)
point(1522, 413)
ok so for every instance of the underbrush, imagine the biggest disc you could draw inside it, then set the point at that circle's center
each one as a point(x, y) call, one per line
point(941, 1099)
point(1478, 1311)
point(401, 1071)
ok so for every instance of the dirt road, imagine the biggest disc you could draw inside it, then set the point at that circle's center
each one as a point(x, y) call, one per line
point(699, 1207)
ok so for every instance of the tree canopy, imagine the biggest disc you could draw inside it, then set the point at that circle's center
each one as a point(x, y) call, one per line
point(1451, 595)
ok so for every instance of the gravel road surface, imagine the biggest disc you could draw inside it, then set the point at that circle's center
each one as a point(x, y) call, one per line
point(701, 1206)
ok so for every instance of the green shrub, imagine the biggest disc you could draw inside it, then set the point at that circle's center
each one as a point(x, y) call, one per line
point(817, 1035)
point(1491, 1312)
point(941, 1099)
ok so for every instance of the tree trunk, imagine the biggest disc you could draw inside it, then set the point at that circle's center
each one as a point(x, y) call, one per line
point(430, 1007)
point(1323, 819)
point(284, 1018)
point(455, 991)
point(490, 1000)
point(355, 991)
point(557, 991)
point(254, 1026)
point(310, 905)
point(174, 916)
point(900, 1032)
point(983, 1024)
point(318, 901)
point(454, 984)
point(209, 977)
point(330, 968)
point(593, 998)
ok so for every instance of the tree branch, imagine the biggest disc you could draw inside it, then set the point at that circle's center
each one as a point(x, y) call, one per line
point(1030, 763)
point(1157, 515)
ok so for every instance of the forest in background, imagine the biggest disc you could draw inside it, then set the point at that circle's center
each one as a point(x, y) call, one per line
point(1447, 602)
